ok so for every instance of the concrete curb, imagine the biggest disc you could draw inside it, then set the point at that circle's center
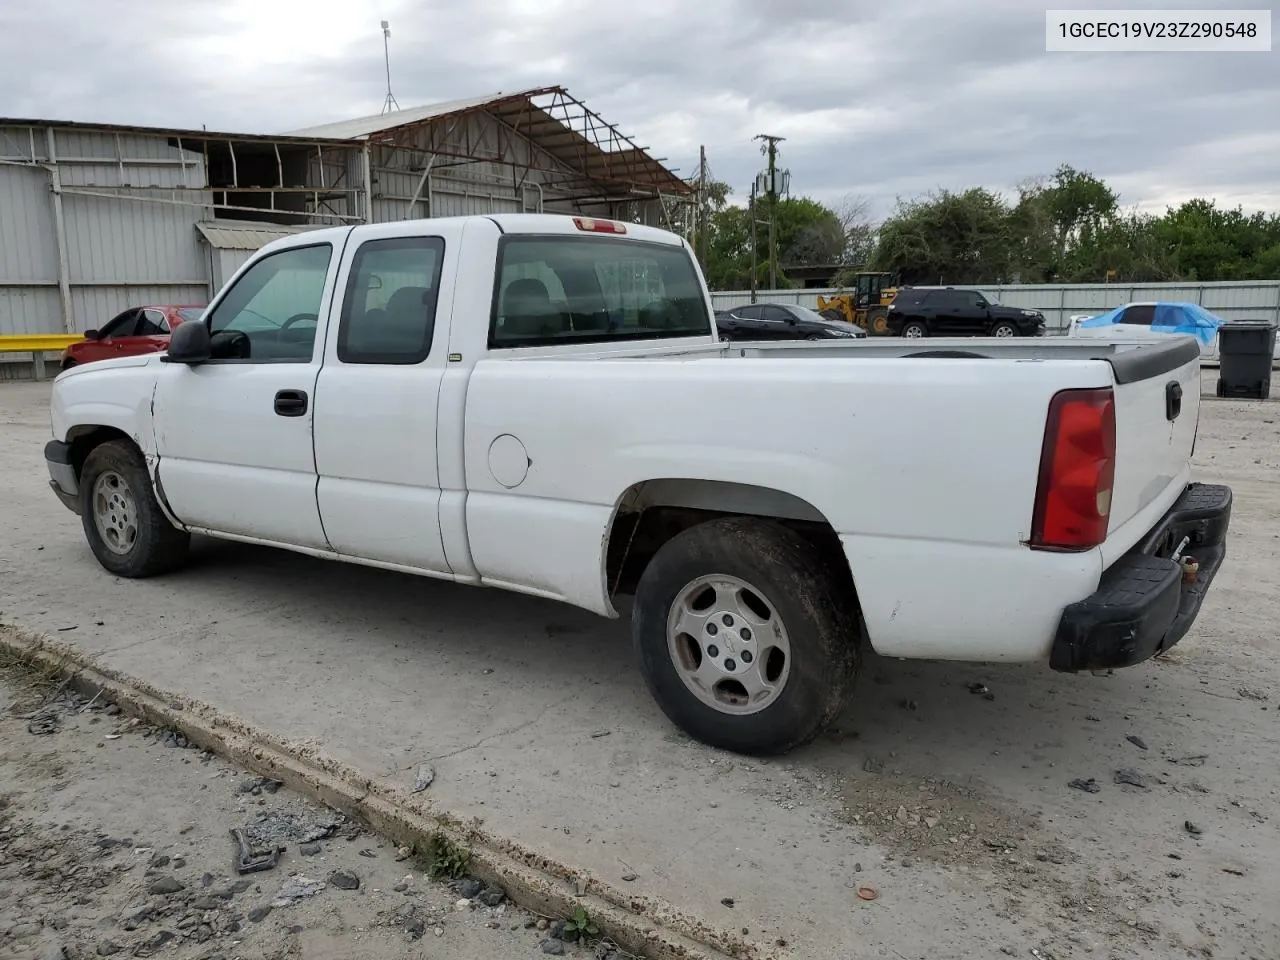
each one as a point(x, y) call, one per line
point(643, 925)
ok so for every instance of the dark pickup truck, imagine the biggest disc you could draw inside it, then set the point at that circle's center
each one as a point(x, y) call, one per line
point(952, 311)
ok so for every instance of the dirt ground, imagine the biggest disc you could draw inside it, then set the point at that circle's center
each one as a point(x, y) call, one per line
point(993, 810)
point(115, 839)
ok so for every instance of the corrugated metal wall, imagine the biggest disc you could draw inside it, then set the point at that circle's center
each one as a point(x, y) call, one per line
point(1243, 300)
point(29, 299)
point(123, 247)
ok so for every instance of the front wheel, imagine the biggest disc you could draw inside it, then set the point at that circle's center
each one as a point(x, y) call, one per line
point(746, 637)
point(126, 529)
point(915, 329)
point(1004, 330)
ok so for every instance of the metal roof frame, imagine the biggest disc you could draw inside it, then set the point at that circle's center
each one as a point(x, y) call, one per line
point(557, 123)
point(192, 135)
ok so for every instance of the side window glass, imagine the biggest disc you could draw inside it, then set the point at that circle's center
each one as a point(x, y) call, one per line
point(1142, 315)
point(272, 311)
point(749, 312)
point(389, 311)
point(775, 315)
point(121, 325)
point(151, 324)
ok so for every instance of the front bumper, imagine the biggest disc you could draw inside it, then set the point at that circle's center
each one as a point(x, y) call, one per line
point(1143, 605)
point(62, 474)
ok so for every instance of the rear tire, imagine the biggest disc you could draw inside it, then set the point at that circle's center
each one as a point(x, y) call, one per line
point(915, 329)
point(126, 529)
point(763, 692)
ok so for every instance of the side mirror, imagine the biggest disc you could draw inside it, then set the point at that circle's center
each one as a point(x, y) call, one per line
point(93, 334)
point(791, 321)
point(190, 344)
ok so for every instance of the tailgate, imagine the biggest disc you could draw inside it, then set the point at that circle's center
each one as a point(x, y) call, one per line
point(1157, 395)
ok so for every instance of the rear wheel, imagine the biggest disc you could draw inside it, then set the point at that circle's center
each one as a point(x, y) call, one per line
point(1004, 329)
point(746, 637)
point(915, 329)
point(68, 364)
point(126, 529)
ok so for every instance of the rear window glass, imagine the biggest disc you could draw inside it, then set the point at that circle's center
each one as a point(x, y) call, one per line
point(190, 313)
point(591, 289)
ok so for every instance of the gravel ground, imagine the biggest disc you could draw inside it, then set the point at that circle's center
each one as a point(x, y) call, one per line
point(115, 840)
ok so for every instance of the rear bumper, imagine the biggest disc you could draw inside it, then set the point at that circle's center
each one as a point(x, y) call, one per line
point(1143, 606)
point(62, 474)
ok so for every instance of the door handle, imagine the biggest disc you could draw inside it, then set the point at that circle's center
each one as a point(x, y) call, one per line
point(291, 403)
point(1172, 400)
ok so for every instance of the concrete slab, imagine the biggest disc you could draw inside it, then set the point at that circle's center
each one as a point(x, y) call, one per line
point(954, 808)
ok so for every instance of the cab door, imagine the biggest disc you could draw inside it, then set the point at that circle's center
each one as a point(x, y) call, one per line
point(234, 433)
point(110, 339)
point(377, 396)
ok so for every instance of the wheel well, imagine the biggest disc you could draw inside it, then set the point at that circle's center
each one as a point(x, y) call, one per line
point(84, 439)
point(651, 513)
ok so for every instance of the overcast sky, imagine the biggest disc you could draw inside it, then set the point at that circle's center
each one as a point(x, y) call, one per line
point(876, 99)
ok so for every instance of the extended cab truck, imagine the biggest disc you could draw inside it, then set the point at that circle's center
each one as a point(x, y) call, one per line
point(541, 404)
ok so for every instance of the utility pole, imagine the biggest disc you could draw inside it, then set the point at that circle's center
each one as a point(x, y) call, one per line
point(703, 211)
point(771, 149)
point(751, 211)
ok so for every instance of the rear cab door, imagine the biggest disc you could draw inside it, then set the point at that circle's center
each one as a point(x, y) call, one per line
point(377, 394)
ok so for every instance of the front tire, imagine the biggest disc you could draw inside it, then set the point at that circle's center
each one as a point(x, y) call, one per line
point(746, 638)
point(126, 529)
point(1004, 329)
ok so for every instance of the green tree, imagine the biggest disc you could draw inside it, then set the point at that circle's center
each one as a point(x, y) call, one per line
point(948, 238)
point(807, 233)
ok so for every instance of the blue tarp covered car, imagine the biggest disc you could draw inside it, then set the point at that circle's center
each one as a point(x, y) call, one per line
point(1153, 319)
point(1161, 317)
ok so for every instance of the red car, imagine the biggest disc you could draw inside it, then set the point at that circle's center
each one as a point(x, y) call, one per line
point(138, 330)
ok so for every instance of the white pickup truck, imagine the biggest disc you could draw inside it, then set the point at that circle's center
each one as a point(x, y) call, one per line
point(541, 404)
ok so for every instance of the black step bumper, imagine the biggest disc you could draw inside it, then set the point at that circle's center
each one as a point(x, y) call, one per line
point(1143, 606)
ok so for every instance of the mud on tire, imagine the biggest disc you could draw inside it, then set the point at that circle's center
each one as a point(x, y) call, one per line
point(126, 529)
point(795, 599)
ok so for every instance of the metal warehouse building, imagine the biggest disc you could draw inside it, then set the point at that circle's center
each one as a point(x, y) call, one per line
point(95, 218)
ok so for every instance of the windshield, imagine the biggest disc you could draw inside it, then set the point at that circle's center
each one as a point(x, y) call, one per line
point(190, 313)
point(808, 316)
point(556, 289)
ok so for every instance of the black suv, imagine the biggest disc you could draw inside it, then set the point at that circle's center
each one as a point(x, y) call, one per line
point(953, 311)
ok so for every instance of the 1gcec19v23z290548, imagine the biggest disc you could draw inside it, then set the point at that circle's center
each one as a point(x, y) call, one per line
point(542, 404)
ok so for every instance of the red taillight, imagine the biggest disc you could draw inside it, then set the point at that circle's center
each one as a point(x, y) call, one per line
point(1077, 471)
point(591, 225)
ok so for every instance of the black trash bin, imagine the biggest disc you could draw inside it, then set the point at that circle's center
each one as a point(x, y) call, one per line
point(1245, 350)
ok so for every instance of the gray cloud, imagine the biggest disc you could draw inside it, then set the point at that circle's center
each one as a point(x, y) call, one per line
point(875, 100)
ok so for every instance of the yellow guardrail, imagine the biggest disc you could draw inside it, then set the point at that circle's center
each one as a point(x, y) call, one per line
point(38, 342)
